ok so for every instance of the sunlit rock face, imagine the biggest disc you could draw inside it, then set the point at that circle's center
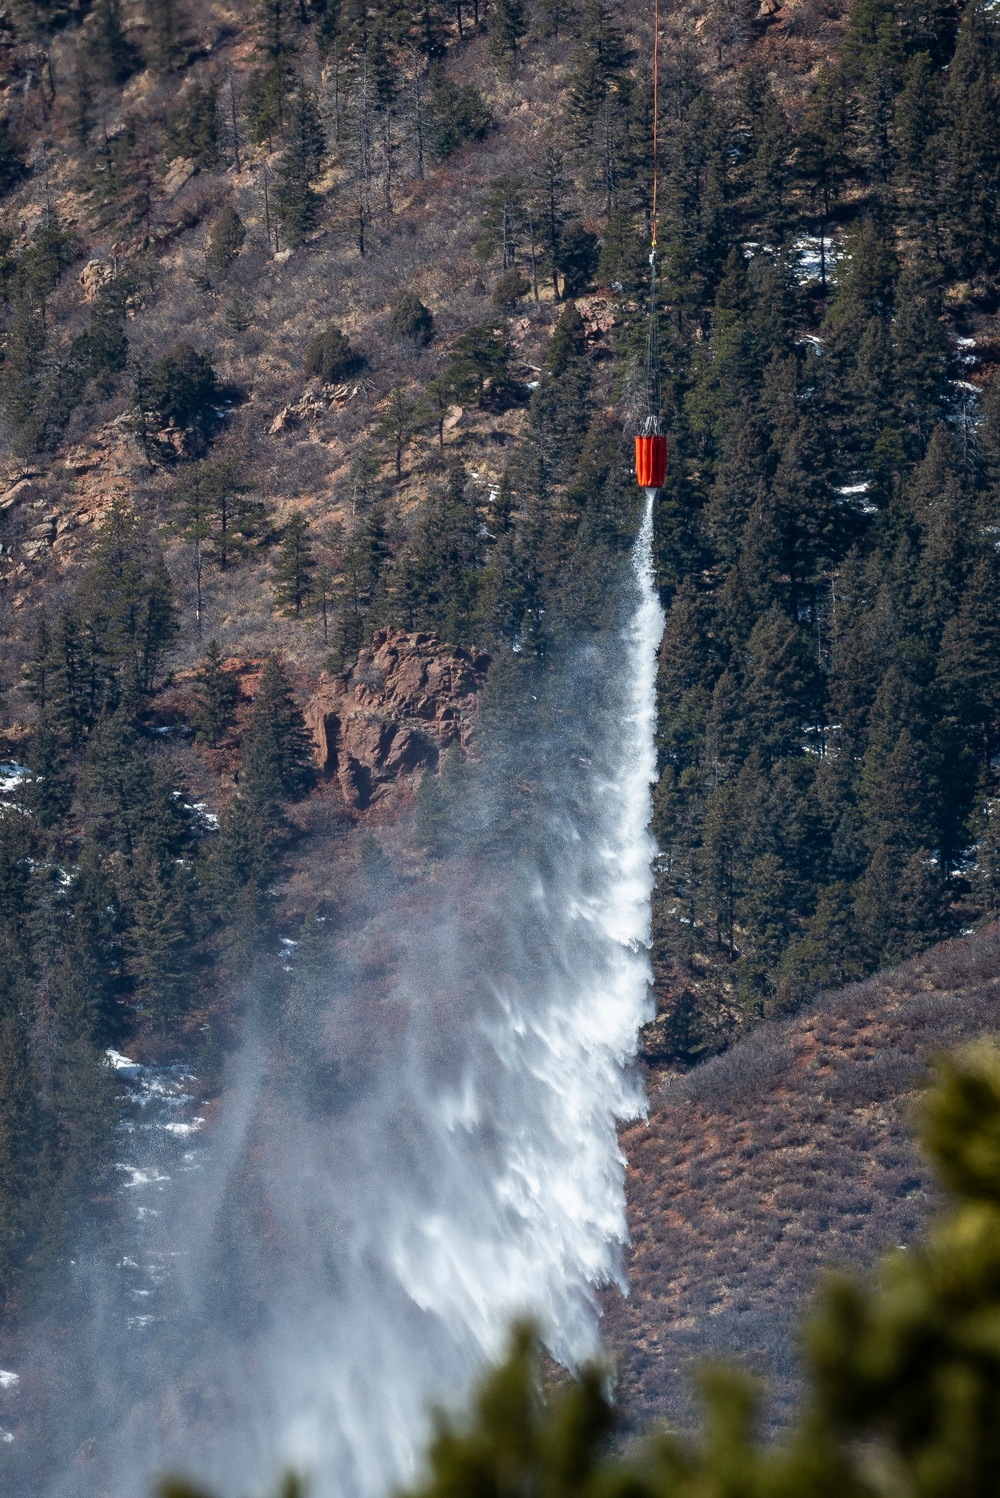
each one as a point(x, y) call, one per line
point(409, 697)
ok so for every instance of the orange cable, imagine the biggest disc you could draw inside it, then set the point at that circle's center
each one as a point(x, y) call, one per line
point(656, 81)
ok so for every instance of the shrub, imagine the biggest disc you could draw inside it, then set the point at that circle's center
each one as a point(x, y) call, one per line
point(225, 240)
point(457, 115)
point(409, 318)
point(329, 357)
point(510, 288)
point(182, 387)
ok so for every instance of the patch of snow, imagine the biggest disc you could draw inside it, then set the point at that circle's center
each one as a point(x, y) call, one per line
point(810, 250)
point(855, 488)
point(123, 1064)
point(182, 1129)
point(149, 1177)
point(966, 342)
point(11, 775)
point(6, 1436)
point(208, 818)
point(9, 1380)
point(533, 384)
point(967, 385)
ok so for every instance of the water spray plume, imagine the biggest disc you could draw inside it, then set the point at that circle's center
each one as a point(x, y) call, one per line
point(324, 1272)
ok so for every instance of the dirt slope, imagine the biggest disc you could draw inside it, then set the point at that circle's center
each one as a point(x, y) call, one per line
point(791, 1151)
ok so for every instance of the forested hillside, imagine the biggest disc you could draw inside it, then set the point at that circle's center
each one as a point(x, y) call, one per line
point(325, 318)
point(829, 674)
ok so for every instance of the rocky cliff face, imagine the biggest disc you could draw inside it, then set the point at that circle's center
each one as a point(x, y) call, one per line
point(408, 698)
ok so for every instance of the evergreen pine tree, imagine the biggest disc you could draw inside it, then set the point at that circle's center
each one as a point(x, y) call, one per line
point(49, 790)
point(193, 126)
point(226, 239)
point(20, 1138)
point(971, 177)
point(508, 26)
point(396, 424)
point(217, 697)
point(781, 685)
point(274, 28)
point(296, 204)
point(166, 46)
point(277, 753)
point(295, 568)
point(159, 940)
point(110, 55)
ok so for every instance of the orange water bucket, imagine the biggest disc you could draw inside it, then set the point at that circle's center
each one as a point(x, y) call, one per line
point(651, 461)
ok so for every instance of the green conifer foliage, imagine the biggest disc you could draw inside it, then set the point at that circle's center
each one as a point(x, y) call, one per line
point(903, 1361)
point(435, 581)
point(49, 791)
point(329, 357)
point(458, 114)
point(226, 239)
point(396, 424)
point(159, 939)
point(12, 168)
point(623, 253)
point(576, 259)
point(274, 28)
point(20, 1140)
point(166, 45)
point(409, 318)
point(182, 387)
point(104, 346)
point(193, 126)
point(480, 367)
point(296, 204)
point(109, 53)
point(88, 980)
point(277, 762)
point(218, 695)
point(781, 684)
point(508, 26)
point(295, 567)
point(971, 176)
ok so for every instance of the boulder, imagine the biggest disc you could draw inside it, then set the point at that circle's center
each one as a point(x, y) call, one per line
point(20, 493)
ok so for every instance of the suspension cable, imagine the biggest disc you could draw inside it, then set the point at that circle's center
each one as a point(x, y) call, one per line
point(656, 111)
point(651, 424)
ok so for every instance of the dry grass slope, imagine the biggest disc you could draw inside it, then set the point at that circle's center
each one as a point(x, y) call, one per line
point(790, 1152)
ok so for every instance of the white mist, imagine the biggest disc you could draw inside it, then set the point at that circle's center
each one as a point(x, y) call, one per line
point(479, 1179)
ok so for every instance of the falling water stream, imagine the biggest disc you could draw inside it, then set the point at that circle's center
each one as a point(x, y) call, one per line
point(476, 1178)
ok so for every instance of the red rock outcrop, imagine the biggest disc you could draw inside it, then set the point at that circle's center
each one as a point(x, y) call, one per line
point(408, 698)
